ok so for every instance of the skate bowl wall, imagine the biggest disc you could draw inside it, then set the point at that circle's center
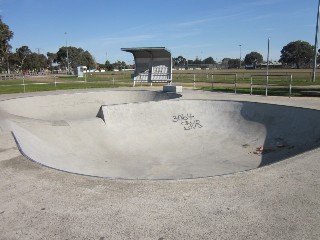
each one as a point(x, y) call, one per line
point(213, 135)
point(168, 139)
point(77, 105)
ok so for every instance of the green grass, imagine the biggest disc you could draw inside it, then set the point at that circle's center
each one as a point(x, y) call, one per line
point(11, 89)
point(59, 86)
point(10, 82)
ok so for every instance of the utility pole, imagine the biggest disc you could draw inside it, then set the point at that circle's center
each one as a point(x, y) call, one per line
point(67, 53)
point(268, 57)
point(268, 67)
point(240, 55)
point(316, 47)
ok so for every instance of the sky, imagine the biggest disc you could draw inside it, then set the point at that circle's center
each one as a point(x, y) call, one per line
point(188, 28)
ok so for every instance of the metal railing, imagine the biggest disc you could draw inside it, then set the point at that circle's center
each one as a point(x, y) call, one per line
point(267, 84)
point(224, 82)
point(10, 77)
point(251, 83)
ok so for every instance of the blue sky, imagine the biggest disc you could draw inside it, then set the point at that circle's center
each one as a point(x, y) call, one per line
point(188, 28)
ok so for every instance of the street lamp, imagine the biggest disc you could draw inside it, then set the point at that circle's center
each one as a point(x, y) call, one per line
point(67, 53)
point(268, 56)
point(240, 55)
point(316, 47)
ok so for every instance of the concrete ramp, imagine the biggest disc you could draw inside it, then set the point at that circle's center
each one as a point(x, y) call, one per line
point(170, 139)
point(77, 105)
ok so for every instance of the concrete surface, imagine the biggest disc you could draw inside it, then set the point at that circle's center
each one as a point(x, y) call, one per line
point(167, 139)
point(171, 88)
point(279, 201)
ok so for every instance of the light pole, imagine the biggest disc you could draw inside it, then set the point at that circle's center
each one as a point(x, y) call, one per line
point(268, 56)
point(316, 46)
point(240, 55)
point(268, 67)
point(67, 53)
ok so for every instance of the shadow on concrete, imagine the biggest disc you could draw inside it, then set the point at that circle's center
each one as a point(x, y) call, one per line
point(290, 130)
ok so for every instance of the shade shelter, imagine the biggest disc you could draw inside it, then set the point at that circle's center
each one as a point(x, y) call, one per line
point(153, 64)
point(80, 70)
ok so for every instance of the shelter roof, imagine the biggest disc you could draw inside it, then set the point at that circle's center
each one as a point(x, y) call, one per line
point(149, 52)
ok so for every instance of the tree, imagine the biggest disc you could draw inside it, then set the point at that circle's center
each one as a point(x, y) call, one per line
point(197, 61)
point(100, 66)
point(14, 61)
point(209, 60)
point(233, 63)
point(297, 53)
point(225, 62)
point(86, 59)
point(24, 59)
point(52, 58)
point(109, 66)
point(22, 54)
point(119, 65)
point(35, 62)
point(179, 61)
point(190, 62)
point(5, 36)
point(76, 57)
point(253, 58)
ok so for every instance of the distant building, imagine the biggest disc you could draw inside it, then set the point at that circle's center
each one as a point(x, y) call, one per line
point(80, 70)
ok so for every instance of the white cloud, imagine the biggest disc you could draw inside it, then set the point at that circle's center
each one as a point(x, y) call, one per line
point(218, 16)
point(192, 23)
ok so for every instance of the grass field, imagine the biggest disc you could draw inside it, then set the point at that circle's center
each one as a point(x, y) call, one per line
point(211, 80)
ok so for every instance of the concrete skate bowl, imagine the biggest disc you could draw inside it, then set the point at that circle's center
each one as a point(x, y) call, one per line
point(168, 139)
point(76, 106)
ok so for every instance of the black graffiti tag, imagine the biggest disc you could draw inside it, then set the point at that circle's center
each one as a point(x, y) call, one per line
point(188, 121)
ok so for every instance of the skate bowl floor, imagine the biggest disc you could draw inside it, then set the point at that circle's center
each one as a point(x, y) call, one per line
point(153, 135)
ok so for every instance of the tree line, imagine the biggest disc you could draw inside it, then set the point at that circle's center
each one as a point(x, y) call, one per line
point(23, 59)
point(298, 54)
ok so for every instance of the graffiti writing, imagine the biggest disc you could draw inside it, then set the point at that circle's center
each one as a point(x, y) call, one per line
point(188, 121)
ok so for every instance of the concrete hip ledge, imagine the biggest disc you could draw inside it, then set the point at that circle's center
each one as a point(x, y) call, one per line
point(170, 88)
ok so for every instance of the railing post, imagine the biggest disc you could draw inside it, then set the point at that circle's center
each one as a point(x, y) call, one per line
point(194, 81)
point(290, 86)
point(24, 85)
point(235, 84)
point(267, 81)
